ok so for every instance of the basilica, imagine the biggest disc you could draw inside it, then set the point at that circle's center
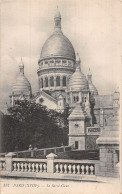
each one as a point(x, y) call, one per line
point(62, 84)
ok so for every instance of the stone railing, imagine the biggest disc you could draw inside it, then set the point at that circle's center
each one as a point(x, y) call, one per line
point(2, 164)
point(35, 153)
point(84, 167)
point(24, 165)
point(48, 168)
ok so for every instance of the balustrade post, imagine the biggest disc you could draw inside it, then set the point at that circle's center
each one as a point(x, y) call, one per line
point(55, 150)
point(64, 149)
point(8, 159)
point(45, 152)
point(50, 162)
point(97, 168)
point(54, 81)
point(32, 153)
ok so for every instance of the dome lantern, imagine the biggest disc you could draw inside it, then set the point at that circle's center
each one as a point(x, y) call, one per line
point(21, 67)
point(92, 88)
point(89, 76)
point(57, 20)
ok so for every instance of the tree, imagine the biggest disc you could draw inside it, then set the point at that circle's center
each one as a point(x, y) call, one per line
point(31, 123)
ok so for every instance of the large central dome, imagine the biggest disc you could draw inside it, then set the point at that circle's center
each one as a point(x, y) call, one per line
point(57, 61)
point(58, 45)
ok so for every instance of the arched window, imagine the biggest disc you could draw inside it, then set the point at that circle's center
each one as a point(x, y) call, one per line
point(51, 81)
point(85, 99)
point(41, 82)
point(64, 81)
point(74, 99)
point(58, 81)
point(46, 81)
point(82, 99)
point(77, 98)
point(105, 123)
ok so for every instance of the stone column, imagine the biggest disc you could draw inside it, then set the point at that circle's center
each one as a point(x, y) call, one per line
point(101, 118)
point(80, 97)
point(49, 82)
point(61, 81)
point(61, 63)
point(50, 162)
point(67, 62)
point(71, 98)
point(8, 158)
point(44, 83)
point(12, 100)
point(55, 81)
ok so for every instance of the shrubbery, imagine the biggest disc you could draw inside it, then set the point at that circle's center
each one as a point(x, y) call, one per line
point(31, 123)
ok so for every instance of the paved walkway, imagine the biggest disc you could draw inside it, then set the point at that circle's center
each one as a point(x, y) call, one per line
point(44, 186)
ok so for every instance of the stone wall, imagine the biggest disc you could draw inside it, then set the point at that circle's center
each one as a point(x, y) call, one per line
point(109, 161)
point(80, 140)
point(91, 142)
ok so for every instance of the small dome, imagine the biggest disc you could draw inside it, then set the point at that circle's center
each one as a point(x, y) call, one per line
point(58, 45)
point(21, 84)
point(78, 81)
point(93, 89)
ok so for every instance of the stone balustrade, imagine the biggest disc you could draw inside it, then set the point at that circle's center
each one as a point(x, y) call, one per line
point(75, 167)
point(56, 63)
point(29, 166)
point(47, 168)
point(2, 164)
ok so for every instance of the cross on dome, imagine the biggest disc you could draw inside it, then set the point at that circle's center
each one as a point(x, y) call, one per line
point(89, 76)
point(57, 19)
point(57, 13)
point(78, 62)
point(21, 66)
point(77, 57)
point(89, 73)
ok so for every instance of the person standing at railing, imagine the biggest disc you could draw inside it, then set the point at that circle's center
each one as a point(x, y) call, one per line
point(30, 147)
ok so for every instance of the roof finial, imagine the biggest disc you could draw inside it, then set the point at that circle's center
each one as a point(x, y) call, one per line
point(77, 57)
point(89, 76)
point(57, 19)
point(78, 61)
point(21, 62)
point(89, 73)
point(21, 66)
point(117, 89)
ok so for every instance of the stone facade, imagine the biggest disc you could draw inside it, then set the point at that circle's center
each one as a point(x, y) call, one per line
point(78, 121)
point(108, 143)
point(62, 83)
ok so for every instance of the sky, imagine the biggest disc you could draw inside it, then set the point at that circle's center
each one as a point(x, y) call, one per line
point(92, 26)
